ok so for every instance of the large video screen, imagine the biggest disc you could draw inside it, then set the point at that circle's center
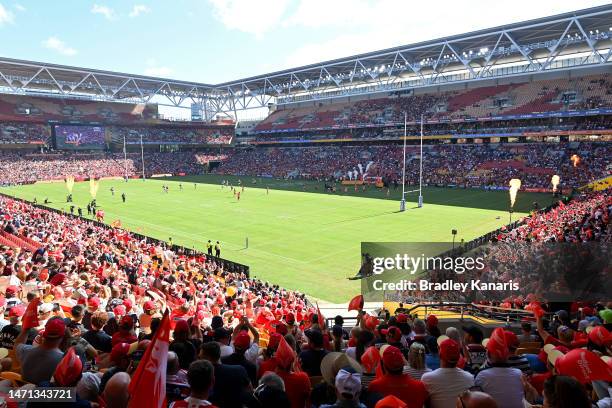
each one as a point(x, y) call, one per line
point(79, 137)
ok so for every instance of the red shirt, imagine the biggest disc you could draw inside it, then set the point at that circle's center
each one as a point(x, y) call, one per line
point(123, 337)
point(266, 365)
point(411, 391)
point(297, 387)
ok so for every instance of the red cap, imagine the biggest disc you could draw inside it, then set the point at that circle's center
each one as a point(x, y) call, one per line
point(93, 302)
point(11, 290)
point(497, 345)
point(598, 335)
point(401, 318)
point(390, 401)
point(119, 311)
point(242, 341)
point(392, 358)
point(17, 310)
point(181, 326)
point(128, 304)
point(432, 320)
point(126, 323)
point(119, 351)
point(290, 318)
point(511, 339)
point(393, 332)
point(54, 328)
point(148, 305)
point(68, 371)
point(449, 351)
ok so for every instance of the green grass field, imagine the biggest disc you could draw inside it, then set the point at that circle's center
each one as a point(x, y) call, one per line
point(299, 237)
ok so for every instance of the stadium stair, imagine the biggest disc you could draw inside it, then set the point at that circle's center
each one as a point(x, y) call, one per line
point(18, 242)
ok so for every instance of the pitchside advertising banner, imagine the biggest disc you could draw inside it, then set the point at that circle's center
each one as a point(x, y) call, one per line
point(412, 272)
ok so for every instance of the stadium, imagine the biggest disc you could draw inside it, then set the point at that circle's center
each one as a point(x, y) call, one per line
point(419, 226)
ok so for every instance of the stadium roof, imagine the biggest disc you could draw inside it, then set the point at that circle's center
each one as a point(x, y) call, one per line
point(565, 41)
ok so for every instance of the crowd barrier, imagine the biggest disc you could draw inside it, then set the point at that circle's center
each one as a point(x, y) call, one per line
point(228, 265)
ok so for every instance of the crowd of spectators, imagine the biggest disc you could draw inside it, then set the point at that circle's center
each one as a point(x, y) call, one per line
point(21, 132)
point(469, 165)
point(498, 128)
point(575, 94)
point(585, 218)
point(29, 168)
point(173, 134)
point(92, 306)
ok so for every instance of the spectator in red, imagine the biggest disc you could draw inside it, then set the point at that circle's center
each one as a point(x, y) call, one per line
point(395, 382)
point(297, 384)
point(125, 334)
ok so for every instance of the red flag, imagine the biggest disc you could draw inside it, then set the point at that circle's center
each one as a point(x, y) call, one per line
point(356, 303)
point(148, 385)
point(30, 317)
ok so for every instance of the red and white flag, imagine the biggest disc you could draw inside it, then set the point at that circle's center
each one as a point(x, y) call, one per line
point(148, 385)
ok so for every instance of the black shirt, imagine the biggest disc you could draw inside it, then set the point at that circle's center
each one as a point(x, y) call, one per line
point(185, 351)
point(99, 340)
point(240, 360)
point(231, 386)
point(311, 361)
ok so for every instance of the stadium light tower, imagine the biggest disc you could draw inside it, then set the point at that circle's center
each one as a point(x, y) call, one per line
point(403, 201)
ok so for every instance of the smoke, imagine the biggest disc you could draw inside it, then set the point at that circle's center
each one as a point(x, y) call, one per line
point(515, 185)
point(575, 160)
point(93, 187)
point(555, 182)
point(69, 183)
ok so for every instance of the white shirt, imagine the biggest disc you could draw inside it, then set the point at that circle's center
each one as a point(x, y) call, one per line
point(226, 350)
point(445, 384)
point(503, 384)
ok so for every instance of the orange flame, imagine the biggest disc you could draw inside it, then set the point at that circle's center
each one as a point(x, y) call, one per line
point(515, 185)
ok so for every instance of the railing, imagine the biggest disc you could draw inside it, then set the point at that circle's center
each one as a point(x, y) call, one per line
point(508, 316)
point(229, 266)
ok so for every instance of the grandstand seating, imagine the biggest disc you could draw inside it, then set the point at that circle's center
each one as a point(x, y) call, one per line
point(43, 109)
point(506, 99)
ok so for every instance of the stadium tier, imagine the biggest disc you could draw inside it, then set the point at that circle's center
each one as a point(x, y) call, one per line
point(44, 109)
point(506, 101)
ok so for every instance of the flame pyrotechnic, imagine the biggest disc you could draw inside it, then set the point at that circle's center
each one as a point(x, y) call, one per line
point(93, 187)
point(575, 160)
point(69, 183)
point(515, 185)
point(555, 182)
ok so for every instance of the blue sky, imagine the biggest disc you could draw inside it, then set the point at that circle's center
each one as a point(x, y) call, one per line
point(219, 40)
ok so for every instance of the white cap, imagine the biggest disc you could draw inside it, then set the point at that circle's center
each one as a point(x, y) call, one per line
point(348, 383)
